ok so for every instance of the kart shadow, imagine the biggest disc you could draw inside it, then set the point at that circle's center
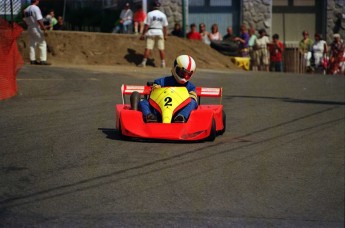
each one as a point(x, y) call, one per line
point(111, 133)
point(114, 134)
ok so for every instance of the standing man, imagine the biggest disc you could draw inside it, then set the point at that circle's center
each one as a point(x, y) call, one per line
point(276, 49)
point(251, 48)
point(261, 52)
point(155, 30)
point(243, 39)
point(305, 46)
point(33, 18)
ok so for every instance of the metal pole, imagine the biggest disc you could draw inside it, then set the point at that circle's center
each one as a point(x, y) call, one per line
point(184, 17)
point(11, 6)
point(64, 9)
point(324, 20)
point(144, 5)
point(5, 9)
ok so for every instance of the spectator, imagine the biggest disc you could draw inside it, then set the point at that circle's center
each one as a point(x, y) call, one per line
point(60, 24)
point(276, 49)
point(139, 18)
point(50, 19)
point(177, 30)
point(193, 34)
point(155, 29)
point(227, 46)
point(33, 18)
point(251, 48)
point(214, 35)
point(243, 39)
point(261, 50)
point(125, 21)
point(229, 34)
point(204, 34)
point(319, 51)
point(305, 46)
point(336, 55)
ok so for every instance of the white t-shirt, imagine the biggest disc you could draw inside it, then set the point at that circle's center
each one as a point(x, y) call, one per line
point(126, 15)
point(262, 42)
point(32, 14)
point(156, 20)
point(205, 38)
point(216, 36)
point(318, 47)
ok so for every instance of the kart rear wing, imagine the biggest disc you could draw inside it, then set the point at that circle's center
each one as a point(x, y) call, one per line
point(145, 90)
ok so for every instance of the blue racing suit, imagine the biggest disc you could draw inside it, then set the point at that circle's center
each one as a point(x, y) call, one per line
point(168, 81)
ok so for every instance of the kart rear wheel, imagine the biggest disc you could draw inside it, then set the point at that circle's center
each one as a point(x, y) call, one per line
point(213, 132)
point(224, 123)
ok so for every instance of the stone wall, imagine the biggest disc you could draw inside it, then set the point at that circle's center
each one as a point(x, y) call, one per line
point(335, 18)
point(257, 14)
point(173, 10)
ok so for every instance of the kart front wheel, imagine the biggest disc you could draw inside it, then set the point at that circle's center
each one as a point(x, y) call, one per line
point(224, 123)
point(119, 132)
point(213, 131)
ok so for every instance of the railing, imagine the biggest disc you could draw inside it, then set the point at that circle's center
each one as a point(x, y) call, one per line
point(293, 59)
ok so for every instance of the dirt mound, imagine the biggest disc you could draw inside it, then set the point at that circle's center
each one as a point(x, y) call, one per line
point(85, 48)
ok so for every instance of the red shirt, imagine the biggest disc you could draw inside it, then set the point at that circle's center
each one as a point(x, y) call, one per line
point(275, 54)
point(194, 36)
point(139, 16)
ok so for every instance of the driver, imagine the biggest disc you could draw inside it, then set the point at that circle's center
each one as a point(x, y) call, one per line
point(182, 71)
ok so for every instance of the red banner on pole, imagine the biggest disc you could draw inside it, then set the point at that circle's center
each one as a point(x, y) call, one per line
point(10, 59)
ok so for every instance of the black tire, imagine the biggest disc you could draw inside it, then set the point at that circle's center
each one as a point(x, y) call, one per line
point(213, 132)
point(135, 98)
point(119, 132)
point(221, 132)
point(228, 48)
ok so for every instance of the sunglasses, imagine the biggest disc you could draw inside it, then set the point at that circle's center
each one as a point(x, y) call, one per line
point(184, 73)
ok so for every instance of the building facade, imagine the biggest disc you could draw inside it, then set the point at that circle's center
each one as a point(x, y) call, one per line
point(11, 7)
point(288, 18)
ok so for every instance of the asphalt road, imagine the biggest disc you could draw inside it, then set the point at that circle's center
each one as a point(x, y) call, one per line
point(279, 164)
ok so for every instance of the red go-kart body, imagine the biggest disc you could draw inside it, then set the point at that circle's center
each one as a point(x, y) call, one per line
point(204, 123)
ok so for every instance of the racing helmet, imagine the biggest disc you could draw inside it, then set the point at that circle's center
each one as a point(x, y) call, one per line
point(183, 68)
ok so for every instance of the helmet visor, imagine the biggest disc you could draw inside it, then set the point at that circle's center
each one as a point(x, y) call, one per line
point(184, 73)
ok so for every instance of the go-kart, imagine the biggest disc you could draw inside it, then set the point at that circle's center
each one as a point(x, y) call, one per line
point(204, 123)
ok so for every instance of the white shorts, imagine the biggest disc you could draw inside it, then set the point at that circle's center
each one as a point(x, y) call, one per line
point(150, 42)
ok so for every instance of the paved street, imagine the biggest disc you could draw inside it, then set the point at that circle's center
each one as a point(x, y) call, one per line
point(279, 164)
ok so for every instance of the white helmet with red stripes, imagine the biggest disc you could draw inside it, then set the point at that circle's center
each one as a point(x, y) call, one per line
point(183, 69)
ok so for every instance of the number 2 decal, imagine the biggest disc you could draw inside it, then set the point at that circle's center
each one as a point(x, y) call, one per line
point(168, 101)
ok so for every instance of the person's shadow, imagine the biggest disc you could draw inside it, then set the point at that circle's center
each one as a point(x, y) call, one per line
point(133, 57)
